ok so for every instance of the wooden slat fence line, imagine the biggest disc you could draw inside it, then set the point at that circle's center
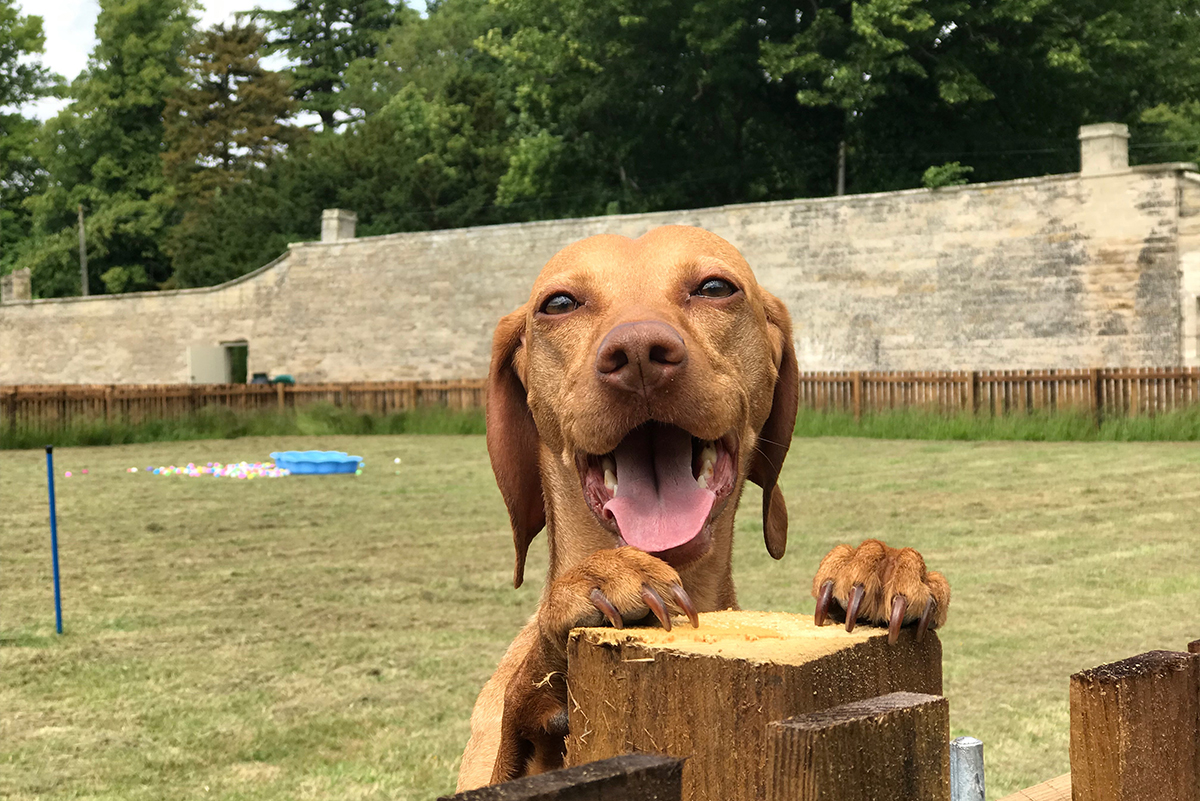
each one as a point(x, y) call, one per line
point(1104, 393)
point(56, 407)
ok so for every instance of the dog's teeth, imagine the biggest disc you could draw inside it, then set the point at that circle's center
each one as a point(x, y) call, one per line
point(610, 481)
point(708, 458)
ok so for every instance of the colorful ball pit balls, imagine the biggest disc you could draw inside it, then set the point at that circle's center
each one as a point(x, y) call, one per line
point(240, 470)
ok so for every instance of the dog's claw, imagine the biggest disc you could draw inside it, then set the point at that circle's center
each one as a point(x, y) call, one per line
point(899, 607)
point(926, 616)
point(856, 598)
point(655, 602)
point(601, 602)
point(823, 603)
point(685, 603)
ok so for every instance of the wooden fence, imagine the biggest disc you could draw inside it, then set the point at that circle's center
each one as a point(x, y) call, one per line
point(1118, 392)
point(53, 407)
point(1112, 392)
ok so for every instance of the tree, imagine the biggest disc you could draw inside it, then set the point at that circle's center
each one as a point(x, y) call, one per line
point(627, 106)
point(227, 122)
point(323, 38)
point(1004, 84)
point(1178, 126)
point(104, 151)
point(433, 140)
point(229, 117)
point(22, 78)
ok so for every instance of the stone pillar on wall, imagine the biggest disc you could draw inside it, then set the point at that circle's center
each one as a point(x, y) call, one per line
point(337, 224)
point(1103, 148)
point(16, 287)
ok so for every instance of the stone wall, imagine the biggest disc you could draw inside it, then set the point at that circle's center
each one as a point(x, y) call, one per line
point(1061, 271)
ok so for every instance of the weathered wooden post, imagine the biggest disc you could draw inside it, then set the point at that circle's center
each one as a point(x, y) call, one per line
point(710, 694)
point(894, 746)
point(1135, 729)
point(635, 777)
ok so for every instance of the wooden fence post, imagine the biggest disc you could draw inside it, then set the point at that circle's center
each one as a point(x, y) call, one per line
point(755, 668)
point(10, 405)
point(1097, 397)
point(894, 746)
point(856, 391)
point(1135, 729)
point(279, 396)
point(109, 391)
point(634, 777)
point(973, 393)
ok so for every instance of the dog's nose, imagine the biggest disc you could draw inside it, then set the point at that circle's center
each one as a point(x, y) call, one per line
point(640, 356)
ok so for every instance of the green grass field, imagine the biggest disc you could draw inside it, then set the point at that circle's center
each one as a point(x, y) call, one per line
point(325, 637)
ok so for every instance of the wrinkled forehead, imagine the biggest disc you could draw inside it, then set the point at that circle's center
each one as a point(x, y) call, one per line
point(661, 252)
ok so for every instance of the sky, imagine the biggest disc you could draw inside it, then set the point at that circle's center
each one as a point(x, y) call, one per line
point(70, 34)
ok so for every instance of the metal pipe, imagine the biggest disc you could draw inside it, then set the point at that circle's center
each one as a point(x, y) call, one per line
point(966, 769)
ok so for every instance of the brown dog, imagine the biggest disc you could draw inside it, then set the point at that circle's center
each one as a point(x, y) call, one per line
point(628, 401)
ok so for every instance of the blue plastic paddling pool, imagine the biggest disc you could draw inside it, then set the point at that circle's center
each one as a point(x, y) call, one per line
point(316, 462)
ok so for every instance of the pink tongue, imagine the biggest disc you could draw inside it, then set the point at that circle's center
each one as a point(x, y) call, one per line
point(658, 505)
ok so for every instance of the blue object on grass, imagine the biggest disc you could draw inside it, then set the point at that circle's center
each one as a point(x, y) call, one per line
point(316, 462)
point(54, 539)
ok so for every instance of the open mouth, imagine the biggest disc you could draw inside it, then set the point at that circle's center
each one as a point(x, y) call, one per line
point(660, 488)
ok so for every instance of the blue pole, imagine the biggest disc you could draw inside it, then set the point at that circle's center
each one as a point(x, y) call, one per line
point(54, 539)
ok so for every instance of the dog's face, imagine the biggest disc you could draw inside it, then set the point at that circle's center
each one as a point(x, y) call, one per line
point(643, 382)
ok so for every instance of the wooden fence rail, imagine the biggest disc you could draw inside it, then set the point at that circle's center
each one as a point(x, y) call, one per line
point(1104, 393)
point(55, 407)
point(1108, 392)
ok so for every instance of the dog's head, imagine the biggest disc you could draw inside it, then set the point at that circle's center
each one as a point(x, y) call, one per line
point(641, 384)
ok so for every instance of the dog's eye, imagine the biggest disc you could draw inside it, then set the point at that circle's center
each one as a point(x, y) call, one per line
point(560, 303)
point(715, 288)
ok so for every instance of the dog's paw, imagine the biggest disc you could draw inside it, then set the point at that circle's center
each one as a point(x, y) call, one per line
point(621, 586)
point(880, 585)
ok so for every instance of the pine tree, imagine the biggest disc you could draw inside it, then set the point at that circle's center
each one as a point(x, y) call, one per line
point(228, 121)
point(323, 38)
point(231, 115)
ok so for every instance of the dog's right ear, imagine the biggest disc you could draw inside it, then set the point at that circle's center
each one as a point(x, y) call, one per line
point(512, 438)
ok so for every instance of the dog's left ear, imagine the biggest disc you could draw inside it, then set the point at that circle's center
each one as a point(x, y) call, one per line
point(512, 438)
point(776, 434)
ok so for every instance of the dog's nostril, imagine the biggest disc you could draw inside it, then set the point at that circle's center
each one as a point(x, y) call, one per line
point(662, 354)
point(612, 360)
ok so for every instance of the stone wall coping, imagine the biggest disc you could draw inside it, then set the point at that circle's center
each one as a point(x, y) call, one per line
point(835, 200)
point(1169, 166)
point(159, 293)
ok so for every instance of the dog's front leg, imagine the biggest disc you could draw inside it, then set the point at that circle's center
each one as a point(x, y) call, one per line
point(620, 585)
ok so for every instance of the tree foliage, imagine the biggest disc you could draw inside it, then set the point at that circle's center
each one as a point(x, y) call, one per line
point(103, 151)
point(323, 38)
point(227, 122)
point(22, 79)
